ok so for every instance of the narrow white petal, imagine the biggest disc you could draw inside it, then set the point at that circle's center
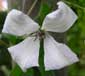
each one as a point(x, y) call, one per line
point(18, 23)
point(60, 20)
point(57, 55)
point(26, 53)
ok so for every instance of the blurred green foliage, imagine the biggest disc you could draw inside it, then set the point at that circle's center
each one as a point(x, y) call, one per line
point(75, 38)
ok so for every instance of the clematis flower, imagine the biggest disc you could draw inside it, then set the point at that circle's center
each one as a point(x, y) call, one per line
point(26, 53)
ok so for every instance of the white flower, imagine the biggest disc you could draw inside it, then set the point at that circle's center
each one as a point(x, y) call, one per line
point(26, 53)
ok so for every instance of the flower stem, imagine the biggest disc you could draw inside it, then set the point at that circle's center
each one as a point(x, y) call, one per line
point(30, 10)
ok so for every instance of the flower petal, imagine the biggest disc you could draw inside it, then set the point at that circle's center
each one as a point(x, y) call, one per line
point(57, 55)
point(60, 20)
point(26, 53)
point(18, 23)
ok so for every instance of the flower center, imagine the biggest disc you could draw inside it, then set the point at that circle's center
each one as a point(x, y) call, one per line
point(40, 34)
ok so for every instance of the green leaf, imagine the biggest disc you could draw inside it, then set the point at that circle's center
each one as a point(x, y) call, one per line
point(11, 38)
point(18, 72)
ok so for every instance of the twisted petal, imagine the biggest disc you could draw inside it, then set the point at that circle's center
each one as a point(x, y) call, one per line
point(17, 23)
point(60, 20)
point(26, 53)
point(57, 55)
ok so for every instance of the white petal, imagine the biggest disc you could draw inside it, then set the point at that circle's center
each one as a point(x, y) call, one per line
point(18, 23)
point(60, 20)
point(26, 53)
point(57, 55)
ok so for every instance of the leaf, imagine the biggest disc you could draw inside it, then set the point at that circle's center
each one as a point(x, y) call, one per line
point(11, 38)
point(18, 72)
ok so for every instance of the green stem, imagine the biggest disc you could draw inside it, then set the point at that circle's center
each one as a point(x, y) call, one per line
point(41, 61)
point(41, 58)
